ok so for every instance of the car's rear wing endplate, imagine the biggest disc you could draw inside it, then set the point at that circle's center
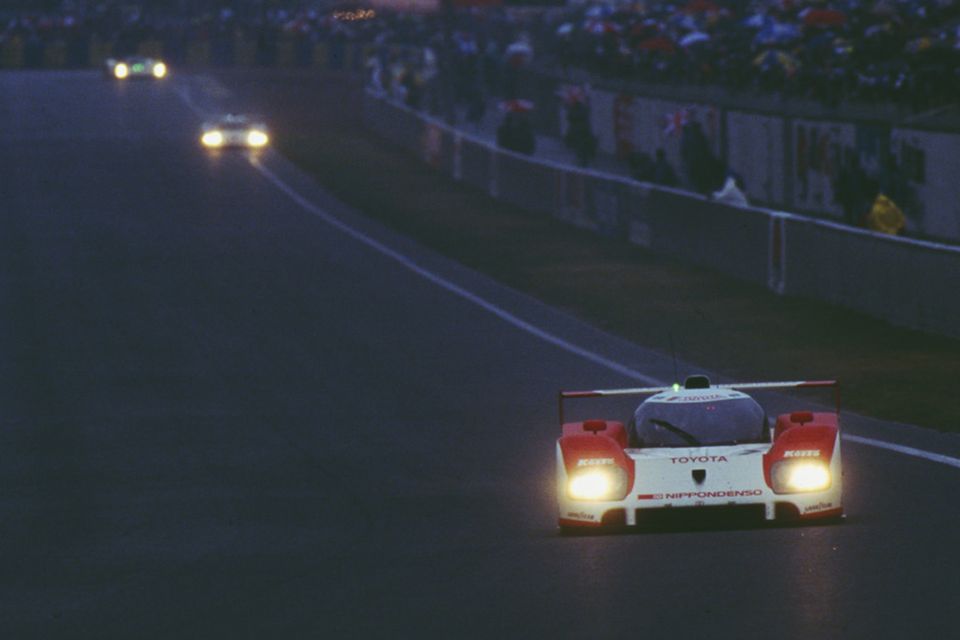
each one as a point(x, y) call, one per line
point(738, 386)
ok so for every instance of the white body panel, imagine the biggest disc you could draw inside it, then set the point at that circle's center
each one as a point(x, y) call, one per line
point(733, 475)
point(235, 137)
point(668, 473)
point(236, 131)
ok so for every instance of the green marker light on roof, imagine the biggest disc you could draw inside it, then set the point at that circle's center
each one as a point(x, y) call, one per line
point(676, 386)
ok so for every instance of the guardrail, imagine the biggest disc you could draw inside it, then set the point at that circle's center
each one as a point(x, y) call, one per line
point(906, 282)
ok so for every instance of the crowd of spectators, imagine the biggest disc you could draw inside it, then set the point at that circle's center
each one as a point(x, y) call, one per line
point(905, 51)
point(122, 27)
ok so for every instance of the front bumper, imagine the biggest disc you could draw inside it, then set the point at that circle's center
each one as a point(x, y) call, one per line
point(735, 487)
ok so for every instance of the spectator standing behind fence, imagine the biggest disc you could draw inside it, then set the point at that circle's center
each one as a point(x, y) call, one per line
point(476, 105)
point(662, 172)
point(396, 71)
point(579, 137)
point(516, 131)
point(732, 192)
point(641, 166)
point(413, 88)
point(885, 216)
point(852, 190)
point(375, 75)
point(517, 57)
point(646, 169)
point(430, 73)
point(702, 168)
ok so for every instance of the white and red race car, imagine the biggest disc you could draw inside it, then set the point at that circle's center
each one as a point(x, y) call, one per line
point(699, 449)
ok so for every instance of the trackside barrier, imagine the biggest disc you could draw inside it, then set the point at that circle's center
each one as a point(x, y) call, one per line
point(98, 51)
point(475, 164)
point(11, 53)
point(55, 55)
point(406, 128)
point(449, 152)
point(151, 48)
point(524, 183)
point(198, 54)
point(733, 240)
point(906, 282)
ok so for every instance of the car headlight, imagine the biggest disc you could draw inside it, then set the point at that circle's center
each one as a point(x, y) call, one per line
point(159, 70)
point(121, 70)
point(606, 483)
point(789, 476)
point(256, 138)
point(212, 139)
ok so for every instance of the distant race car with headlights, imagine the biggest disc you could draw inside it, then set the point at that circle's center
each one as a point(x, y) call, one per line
point(133, 67)
point(235, 131)
point(699, 449)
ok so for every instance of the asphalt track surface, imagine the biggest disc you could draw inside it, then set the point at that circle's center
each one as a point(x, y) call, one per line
point(223, 415)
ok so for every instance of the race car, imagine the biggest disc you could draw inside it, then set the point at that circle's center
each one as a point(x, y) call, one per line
point(234, 131)
point(695, 450)
point(132, 67)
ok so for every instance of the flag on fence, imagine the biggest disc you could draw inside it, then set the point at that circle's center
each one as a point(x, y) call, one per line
point(675, 121)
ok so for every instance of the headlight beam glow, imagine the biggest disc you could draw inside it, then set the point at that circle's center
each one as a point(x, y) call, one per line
point(212, 139)
point(591, 485)
point(257, 138)
point(607, 482)
point(809, 476)
point(800, 477)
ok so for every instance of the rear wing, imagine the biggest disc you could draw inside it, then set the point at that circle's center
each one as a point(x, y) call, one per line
point(739, 386)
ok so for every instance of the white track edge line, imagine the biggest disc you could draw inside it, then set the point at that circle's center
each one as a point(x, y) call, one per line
point(450, 286)
point(526, 326)
point(904, 450)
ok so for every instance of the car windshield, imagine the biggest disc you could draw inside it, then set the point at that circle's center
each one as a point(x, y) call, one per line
point(235, 122)
point(691, 424)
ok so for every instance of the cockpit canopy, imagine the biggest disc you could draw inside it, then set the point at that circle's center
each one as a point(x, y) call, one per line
point(698, 418)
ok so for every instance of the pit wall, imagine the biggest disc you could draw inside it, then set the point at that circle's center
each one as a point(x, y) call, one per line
point(907, 282)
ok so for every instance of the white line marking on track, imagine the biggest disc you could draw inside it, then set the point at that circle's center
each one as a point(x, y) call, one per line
point(907, 451)
point(526, 326)
point(450, 286)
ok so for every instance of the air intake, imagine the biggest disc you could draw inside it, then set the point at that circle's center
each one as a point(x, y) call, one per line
point(696, 382)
